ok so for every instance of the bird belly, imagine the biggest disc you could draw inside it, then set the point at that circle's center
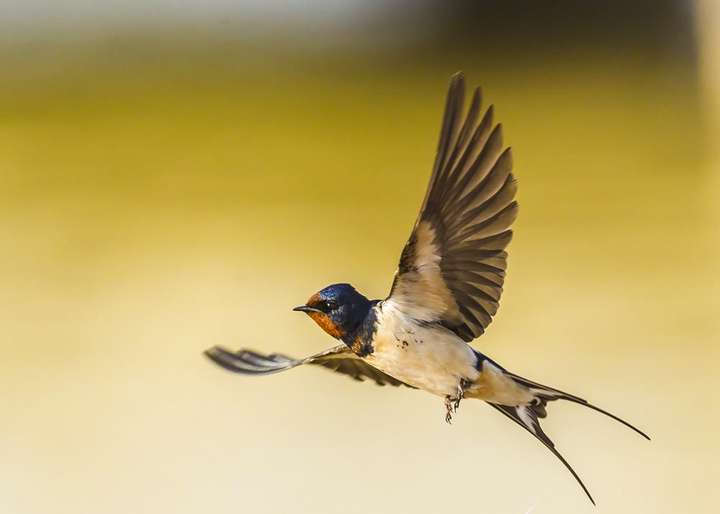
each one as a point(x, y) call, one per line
point(429, 358)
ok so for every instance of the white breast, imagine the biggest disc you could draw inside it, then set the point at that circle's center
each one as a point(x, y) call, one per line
point(429, 357)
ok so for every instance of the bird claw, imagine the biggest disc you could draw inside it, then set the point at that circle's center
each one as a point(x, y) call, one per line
point(450, 407)
point(452, 403)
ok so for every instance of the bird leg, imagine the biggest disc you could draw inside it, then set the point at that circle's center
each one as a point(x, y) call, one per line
point(448, 409)
point(453, 402)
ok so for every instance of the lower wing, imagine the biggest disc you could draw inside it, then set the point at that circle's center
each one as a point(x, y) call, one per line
point(339, 358)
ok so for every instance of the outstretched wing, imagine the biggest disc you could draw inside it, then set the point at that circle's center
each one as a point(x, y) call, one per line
point(339, 358)
point(452, 268)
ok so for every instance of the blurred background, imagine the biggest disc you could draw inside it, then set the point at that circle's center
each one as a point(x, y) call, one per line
point(175, 175)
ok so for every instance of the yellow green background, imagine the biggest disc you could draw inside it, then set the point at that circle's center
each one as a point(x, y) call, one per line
point(163, 193)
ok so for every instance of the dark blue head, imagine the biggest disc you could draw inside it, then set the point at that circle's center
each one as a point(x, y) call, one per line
point(338, 309)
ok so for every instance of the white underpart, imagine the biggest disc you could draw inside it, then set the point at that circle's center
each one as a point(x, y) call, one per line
point(429, 357)
point(435, 359)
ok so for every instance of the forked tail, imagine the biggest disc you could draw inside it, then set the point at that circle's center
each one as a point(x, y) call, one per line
point(527, 417)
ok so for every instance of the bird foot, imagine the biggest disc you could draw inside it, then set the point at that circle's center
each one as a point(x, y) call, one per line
point(452, 403)
point(450, 408)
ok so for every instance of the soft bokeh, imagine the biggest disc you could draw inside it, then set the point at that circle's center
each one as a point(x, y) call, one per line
point(175, 178)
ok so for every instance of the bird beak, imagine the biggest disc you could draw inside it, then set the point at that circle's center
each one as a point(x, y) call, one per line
point(306, 309)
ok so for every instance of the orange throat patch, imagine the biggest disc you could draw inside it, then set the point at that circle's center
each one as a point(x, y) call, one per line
point(324, 322)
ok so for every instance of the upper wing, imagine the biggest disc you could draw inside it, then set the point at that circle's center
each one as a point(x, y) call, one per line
point(452, 268)
point(339, 358)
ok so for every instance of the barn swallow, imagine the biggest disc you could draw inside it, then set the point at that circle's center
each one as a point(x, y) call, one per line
point(445, 292)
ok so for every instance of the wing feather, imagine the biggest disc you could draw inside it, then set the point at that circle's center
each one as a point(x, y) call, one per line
point(452, 269)
point(338, 358)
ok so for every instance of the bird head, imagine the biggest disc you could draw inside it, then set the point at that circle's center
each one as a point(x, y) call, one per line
point(338, 309)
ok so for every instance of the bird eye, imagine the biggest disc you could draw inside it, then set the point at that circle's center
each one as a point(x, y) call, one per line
point(331, 305)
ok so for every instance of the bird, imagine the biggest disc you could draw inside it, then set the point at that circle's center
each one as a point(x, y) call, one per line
point(445, 291)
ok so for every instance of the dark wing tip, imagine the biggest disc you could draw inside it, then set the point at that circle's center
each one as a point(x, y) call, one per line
point(498, 133)
point(509, 156)
point(457, 76)
point(248, 362)
point(221, 357)
point(456, 90)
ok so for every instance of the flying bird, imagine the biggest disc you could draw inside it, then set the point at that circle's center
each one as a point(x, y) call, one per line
point(445, 292)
